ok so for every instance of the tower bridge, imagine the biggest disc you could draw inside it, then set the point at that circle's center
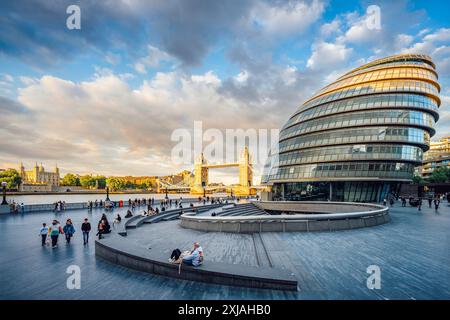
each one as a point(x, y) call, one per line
point(199, 179)
point(201, 174)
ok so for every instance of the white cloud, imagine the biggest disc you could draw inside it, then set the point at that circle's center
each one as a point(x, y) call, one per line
point(8, 77)
point(153, 59)
point(27, 80)
point(325, 55)
point(287, 18)
point(79, 123)
point(438, 36)
point(289, 75)
point(331, 28)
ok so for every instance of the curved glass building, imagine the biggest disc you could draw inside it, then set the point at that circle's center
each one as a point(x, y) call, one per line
point(360, 137)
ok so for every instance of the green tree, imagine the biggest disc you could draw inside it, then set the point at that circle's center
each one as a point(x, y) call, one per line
point(11, 177)
point(115, 184)
point(100, 180)
point(90, 181)
point(440, 175)
point(70, 179)
point(418, 179)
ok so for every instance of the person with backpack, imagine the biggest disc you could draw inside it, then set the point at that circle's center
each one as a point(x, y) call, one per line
point(55, 230)
point(85, 228)
point(44, 233)
point(69, 230)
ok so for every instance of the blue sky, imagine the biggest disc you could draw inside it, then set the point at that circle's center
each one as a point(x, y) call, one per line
point(137, 70)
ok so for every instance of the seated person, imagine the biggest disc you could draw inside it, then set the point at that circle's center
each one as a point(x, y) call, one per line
point(118, 219)
point(195, 258)
point(129, 214)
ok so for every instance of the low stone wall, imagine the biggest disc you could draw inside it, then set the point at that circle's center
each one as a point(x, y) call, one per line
point(369, 215)
point(315, 206)
point(119, 250)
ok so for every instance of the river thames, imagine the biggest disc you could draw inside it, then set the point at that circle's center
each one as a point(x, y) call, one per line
point(74, 198)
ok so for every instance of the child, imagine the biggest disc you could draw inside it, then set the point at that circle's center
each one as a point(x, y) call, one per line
point(43, 233)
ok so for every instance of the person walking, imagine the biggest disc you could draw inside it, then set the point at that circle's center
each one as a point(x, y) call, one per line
point(69, 230)
point(54, 231)
point(429, 202)
point(85, 228)
point(43, 233)
point(437, 202)
point(419, 204)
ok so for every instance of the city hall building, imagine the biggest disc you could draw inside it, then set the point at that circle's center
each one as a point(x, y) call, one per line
point(361, 137)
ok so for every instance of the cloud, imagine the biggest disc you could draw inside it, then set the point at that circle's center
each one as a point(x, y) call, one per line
point(326, 55)
point(80, 123)
point(286, 18)
point(112, 58)
point(153, 59)
point(437, 45)
point(331, 28)
point(36, 32)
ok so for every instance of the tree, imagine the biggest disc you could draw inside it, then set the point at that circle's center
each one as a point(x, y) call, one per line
point(440, 175)
point(418, 179)
point(70, 179)
point(89, 181)
point(115, 184)
point(11, 177)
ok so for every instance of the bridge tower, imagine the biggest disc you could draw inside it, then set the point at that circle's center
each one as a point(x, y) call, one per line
point(245, 173)
point(200, 175)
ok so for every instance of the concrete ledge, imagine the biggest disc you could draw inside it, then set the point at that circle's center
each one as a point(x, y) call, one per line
point(368, 216)
point(121, 251)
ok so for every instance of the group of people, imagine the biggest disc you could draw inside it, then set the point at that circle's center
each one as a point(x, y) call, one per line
point(59, 206)
point(50, 234)
point(417, 202)
point(96, 204)
point(16, 207)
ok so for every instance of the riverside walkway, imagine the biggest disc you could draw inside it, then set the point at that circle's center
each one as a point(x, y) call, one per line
point(412, 251)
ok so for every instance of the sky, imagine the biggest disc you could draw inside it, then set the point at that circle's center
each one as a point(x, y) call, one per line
point(106, 98)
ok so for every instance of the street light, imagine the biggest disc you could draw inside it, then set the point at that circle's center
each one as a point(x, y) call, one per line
point(107, 193)
point(4, 193)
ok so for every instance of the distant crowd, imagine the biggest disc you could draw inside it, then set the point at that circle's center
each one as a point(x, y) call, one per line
point(432, 200)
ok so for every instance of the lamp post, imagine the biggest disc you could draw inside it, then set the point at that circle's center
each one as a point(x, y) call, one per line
point(4, 193)
point(107, 193)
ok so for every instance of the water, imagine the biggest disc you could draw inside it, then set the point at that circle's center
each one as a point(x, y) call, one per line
point(71, 198)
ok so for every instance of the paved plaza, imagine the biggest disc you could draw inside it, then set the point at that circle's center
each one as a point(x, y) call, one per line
point(413, 252)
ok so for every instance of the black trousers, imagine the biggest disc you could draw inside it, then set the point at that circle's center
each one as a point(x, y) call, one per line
point(54, 240)
point(44, 239)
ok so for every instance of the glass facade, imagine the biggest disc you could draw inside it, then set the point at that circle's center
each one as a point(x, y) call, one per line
point(360, 137)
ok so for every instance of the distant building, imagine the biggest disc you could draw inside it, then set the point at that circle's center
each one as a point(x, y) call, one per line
point(38, 179)
point(438, 156)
